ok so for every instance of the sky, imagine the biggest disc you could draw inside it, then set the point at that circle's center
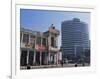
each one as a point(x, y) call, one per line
point(41, 20)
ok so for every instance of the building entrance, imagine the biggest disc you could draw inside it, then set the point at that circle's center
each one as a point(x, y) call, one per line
point(44, 58)
point(23, 58)
point(31, 58)
point(37, 58)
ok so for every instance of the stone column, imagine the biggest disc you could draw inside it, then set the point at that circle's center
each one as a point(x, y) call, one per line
point(22, 39)
point(27, 56)
point(29, 39)
point(45, 57)
point(41, 39)
point(56, 41)
point(35, 41)
point(46, 41)
point(55, 58)
point(49, 40)
point(34, 57)
point(49, 58)
point(40, 57)
point(49, 43)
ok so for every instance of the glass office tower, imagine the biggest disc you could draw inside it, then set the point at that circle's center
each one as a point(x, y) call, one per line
point(75, 38)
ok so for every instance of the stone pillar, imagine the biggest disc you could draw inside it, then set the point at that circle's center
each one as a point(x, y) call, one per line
point(22, 39)
point(46, 41)
point(56, 58)
point(40, 57)
point(35, 41)
point(29, 39)
point(34, 61)
point(49, 45)
point(27, 56)
point(49, 40)
point(56, 41)
point(41, 40)
point(45, 57)
point(48, 57)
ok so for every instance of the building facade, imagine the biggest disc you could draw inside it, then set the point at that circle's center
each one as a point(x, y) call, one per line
point(38, 48)
point(75, 38)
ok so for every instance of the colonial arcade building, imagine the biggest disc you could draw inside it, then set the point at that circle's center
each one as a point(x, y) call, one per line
point(39, 48)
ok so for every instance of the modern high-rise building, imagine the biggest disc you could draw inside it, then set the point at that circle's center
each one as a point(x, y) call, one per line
point(75, 38)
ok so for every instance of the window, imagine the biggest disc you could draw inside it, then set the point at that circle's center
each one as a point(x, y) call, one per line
point(38, 40)
point(25, 38)
point(32, 38)
point(52, 41)
point(44, 41)
point(31, 58)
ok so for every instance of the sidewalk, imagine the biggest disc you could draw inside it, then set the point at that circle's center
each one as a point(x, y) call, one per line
point(54, 66)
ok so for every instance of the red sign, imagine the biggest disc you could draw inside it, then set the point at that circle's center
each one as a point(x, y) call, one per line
point(40, 47)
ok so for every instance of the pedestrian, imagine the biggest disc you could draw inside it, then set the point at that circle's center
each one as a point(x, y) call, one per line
point(76, 65)
point(28, 66)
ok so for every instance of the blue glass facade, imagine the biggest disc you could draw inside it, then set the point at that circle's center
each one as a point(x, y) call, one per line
point(75, 37)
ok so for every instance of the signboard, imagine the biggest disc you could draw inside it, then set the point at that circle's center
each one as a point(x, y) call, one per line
point(40, 47)
point(53, 49)
point(28, 45)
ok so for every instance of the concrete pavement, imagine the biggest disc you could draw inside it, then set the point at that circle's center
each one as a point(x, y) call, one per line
point(55, 66)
